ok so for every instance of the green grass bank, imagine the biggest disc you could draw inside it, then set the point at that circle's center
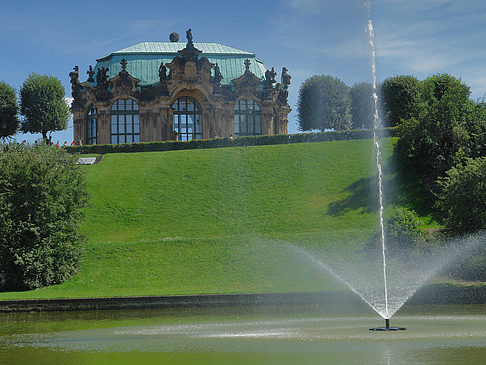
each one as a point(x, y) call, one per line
point(222, 220)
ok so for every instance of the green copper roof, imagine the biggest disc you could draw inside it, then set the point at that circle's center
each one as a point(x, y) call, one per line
point(143, 60)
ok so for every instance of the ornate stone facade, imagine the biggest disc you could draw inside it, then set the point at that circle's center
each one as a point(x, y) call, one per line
point(190, 99)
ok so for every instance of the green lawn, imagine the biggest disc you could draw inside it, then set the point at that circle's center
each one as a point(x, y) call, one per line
point(221, 220)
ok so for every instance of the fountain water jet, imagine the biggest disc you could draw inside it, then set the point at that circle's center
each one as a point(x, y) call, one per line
point(377, 126)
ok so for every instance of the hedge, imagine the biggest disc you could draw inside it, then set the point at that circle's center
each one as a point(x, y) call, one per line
point(227, 142)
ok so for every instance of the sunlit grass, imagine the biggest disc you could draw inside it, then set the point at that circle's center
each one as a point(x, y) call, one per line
point(220, 220)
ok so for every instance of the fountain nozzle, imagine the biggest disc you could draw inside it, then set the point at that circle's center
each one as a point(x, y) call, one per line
point(387, 327)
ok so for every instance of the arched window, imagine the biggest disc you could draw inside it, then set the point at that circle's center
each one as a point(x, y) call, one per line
point(91, 126)
point(248, 118)
point(125, 122)
point(187, 119)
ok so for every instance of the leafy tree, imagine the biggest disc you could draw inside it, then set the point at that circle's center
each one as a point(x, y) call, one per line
point(362, 106)
point(43, 106)
point(324, 103)
point(9, 122)
point(438, 136)
point(42, 196)
point(400, 95)
point(462, 196)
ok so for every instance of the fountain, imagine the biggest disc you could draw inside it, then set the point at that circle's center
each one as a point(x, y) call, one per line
point(386, 288)
point(377, 127)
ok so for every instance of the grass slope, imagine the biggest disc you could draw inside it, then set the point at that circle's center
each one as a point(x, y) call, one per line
point(216, 220)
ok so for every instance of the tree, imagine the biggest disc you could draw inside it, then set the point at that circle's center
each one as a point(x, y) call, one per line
point(43, 106)
point(9, 122)
point(324, 103)
point(400, 95)
point(462, 196)
point(42, 196)
point(362, 106)
point(438, 135)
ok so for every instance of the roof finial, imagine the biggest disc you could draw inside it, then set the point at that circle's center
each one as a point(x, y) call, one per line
point(247, 65)
point(124, 64)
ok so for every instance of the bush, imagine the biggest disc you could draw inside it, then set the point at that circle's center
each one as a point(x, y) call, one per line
point(403, 226)
point(462, 196)
point(42, 196)
point(227, 142)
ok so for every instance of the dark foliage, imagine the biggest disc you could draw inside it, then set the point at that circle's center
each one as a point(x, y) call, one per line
point(226, 142)
point(462, 196)
point(438, 135)
point(362, 105)
point(400, 96)
point(324, 103)
point(42, 196)
point(9, 122)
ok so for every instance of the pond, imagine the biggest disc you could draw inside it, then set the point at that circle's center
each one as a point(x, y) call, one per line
point(246, 335)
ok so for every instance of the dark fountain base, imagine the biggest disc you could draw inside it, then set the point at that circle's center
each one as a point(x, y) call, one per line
point(387, 327)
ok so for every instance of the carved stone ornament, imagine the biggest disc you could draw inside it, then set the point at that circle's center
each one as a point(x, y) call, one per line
point(248, 83)
point(90, 73)
point(102, 77)
point(124, 83)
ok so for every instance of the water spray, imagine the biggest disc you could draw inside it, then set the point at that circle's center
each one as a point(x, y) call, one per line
point(377, 125)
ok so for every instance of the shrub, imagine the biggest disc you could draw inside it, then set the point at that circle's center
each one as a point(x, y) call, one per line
point(462, 196)
point(42, 196)
point(227, 142)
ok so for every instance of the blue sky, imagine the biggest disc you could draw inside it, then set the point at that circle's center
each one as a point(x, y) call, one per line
point(309, 37)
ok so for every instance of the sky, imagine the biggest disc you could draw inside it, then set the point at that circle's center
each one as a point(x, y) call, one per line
point(309, 37)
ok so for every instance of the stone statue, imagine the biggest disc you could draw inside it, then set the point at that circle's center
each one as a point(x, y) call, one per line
point(285, 78)
point(90, 73)
point(162, 72)
point(270, 78)
point(102, 76)
point(189, 36)
point(217, 74)
point(74, 75)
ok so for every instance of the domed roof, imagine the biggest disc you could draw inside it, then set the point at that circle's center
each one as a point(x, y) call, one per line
point(144, 59)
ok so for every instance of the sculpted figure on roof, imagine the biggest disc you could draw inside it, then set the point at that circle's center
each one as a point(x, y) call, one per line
point(102, 76)
point(285, 78)
point(162, 72)
point(90, 73)
point(189, 36)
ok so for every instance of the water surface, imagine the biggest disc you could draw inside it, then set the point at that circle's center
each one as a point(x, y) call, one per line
point(256, 335)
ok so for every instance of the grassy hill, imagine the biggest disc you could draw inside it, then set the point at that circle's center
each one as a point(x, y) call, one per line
point(222, 220)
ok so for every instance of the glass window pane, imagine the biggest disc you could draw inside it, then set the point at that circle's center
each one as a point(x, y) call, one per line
point(135, 106)
point(136, 138)
point(129, 119)
point(115, 105)
point(114, 124)
point(190, 106)
point(121, 138)
point(121, 124)
point(129, 138)
point(113, 139)
point(257, 107)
